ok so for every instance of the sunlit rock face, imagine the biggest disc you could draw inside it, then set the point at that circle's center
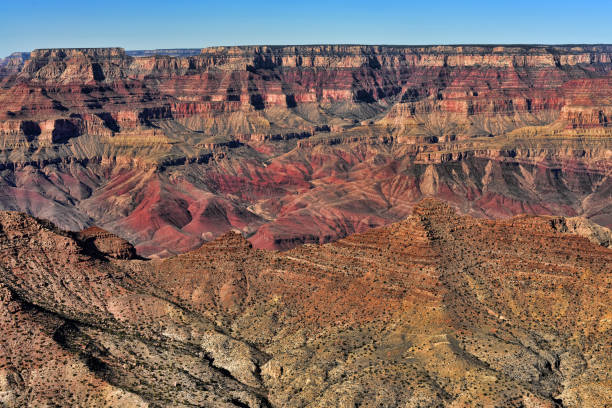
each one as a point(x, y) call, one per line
point(306, 144)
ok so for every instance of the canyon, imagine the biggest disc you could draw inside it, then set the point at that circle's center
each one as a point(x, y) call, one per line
point(290, 145)
point(306, 226)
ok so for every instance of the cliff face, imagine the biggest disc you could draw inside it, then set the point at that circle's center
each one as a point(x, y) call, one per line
point(436, 310)
point(13, 63)
point(293, 144)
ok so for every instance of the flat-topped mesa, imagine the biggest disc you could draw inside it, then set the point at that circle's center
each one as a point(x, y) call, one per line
point(353, 56)
point(63, 53)
point(74, 65)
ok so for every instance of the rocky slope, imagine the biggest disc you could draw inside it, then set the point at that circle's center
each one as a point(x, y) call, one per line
point(292, 145)
point(436, 310)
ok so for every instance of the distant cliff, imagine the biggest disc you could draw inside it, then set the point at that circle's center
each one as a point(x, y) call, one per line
point(294, 144)
point(13, 63)
point(179, 52)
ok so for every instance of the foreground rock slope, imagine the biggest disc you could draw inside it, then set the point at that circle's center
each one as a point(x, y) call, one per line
point(304, 144)
point(435, 310)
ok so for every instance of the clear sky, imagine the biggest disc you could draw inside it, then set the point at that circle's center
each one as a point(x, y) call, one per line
point(149, 24)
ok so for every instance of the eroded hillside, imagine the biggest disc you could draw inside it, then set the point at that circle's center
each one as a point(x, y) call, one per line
point(305, 144)
point(435, 310)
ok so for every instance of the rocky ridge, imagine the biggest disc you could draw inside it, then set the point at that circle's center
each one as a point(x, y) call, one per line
point(436, 310)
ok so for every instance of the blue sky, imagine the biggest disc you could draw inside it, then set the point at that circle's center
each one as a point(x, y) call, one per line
point(148, 24)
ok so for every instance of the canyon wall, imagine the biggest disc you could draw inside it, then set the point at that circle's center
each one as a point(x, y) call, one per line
point(298, 144)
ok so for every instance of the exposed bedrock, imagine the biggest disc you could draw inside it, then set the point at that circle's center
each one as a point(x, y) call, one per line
point(99, 242)
point(293, 145)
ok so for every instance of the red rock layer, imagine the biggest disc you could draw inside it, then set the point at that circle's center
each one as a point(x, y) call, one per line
point(302, 144)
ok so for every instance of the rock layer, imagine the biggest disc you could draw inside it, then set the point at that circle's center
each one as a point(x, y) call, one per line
point(302, 144)
point(98, 241)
